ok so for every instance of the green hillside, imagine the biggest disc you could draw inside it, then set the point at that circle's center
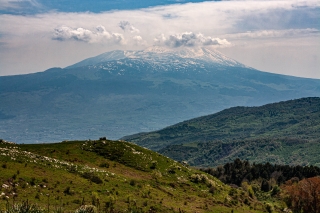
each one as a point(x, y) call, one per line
point(288, 151)
point(114, 176)
point(284, 133)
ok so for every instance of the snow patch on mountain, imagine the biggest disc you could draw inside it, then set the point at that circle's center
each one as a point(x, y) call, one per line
point(162, 55)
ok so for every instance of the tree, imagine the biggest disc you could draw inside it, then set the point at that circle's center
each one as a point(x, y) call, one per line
point(265, 186)
point(303, 196)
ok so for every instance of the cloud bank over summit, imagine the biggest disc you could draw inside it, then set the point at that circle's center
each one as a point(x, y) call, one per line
point(101, 35)
point(274, 36)
point(189, 39)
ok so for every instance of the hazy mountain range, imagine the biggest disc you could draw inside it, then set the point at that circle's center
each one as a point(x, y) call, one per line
point(124, 92)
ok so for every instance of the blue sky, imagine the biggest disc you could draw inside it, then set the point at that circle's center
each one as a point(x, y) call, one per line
point(96, 6)
point(274, 36)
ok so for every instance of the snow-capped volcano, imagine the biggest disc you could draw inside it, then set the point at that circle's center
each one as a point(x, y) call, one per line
point(156, 54)
point(124, 92)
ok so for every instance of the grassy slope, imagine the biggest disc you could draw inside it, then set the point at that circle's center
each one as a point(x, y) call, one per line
point(66, 175)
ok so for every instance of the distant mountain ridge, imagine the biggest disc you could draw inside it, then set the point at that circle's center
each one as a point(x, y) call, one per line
point(124, 92)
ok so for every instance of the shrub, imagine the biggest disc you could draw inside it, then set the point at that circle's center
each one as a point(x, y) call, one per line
point(37, 196)
point(24, 208)
point(87, 209)
point(95, 200)
point(92, 177)
point(72, 169)
point(246, 201)
point(109, 204)
point(24, 185)
point(153, 165)
point(212, 189)
point(269, 208)
point(67, 191)
point(132, 182)
point(33, 181)
point(275, 190)
point(76, 201)
point(104, 164)
point(171, 171)
point(96, 179)
point(265, 185)
point(251, 192)
point(233, 192)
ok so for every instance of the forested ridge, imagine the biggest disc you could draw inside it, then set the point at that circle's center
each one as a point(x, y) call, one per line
point(279, 133)
point(286, 150)
point(238, 171)
point(298, 119)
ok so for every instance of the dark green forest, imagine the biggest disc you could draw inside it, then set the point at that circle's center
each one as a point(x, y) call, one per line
point(239, 171)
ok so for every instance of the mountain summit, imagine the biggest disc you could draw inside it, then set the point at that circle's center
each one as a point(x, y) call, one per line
point(156, 54)
point(124, 92)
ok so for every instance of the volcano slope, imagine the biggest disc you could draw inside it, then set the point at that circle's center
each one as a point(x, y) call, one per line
point(124, 92)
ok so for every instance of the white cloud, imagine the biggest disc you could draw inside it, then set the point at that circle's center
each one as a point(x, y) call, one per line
point(276, 33)
point(100, 34)
point(126, 26)
point(189, 39)
point(138, 41)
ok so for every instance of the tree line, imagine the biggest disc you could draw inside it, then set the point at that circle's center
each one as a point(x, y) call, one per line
point(299, 185)
point(238, 171)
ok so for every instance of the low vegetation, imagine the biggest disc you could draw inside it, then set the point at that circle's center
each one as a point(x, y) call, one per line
point(110, 176)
